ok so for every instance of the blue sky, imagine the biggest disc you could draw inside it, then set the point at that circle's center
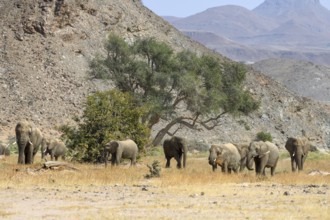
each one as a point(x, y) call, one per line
point(184, 8)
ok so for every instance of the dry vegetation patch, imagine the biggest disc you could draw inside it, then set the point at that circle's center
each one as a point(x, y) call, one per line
point(93, 191)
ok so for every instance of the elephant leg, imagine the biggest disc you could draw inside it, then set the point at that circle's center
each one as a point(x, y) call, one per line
point(52, 156)
point(21, 156)
point(29, 154)
point(257, 166)
point(113, 159)
point(133, 161)
point(168, 163)
point(178, 160)
point(225, 168)
point(272, 169)
point(263, 168)
point(56, 157)
point(118, 157)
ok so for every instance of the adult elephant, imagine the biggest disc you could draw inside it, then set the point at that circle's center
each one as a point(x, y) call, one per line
point(126, 149)
point(265, 155)
point(54, 147)
point(175, 147)
point(243, 149)
point(226, 156)
point(298, 149)
point(4, 150)
point(28, 139)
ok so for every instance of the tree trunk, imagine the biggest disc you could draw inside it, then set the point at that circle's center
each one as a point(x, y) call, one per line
point(161, 134)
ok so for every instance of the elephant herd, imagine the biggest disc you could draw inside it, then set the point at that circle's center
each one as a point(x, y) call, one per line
point(234, 158)
point(230, 157)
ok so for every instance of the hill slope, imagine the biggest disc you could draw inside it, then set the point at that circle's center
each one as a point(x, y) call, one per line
point(45, 48)
point(305, 78)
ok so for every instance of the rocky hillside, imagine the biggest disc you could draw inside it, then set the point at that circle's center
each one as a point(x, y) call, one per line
point(304, 78)
point(46, 45)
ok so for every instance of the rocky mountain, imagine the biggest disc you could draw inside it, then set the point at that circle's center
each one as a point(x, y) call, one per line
point(275, 29)
point(302, 77)
point(46, 47)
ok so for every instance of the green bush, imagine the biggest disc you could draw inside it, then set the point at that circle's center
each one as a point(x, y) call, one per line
point(109, 115)
point(264, 136)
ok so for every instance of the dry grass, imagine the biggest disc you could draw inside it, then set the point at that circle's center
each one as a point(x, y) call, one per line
point(191, 193)
point(197, 173)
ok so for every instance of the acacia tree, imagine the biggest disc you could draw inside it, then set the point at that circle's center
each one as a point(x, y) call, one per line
point(182, 89)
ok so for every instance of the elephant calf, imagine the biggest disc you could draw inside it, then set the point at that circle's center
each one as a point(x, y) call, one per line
point(126, 149)
point(226, 156)
point(54, 147)
point(243, 149)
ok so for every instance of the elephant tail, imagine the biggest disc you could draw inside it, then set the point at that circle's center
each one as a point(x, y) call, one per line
point(185, 157)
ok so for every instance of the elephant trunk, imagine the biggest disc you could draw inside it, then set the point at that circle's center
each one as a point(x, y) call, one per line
point(249, 162)
point(212, 162)
point(299, 161)
point(22, 144)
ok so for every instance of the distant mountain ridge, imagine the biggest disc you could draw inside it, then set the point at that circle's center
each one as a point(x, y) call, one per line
point(295, 29)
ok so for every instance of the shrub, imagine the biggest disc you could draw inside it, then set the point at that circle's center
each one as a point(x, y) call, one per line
point(264, 136)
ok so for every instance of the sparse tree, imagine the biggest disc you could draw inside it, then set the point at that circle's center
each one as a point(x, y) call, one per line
point(182, 88)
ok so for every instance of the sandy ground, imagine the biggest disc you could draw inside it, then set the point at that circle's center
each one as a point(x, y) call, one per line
point(236, 201)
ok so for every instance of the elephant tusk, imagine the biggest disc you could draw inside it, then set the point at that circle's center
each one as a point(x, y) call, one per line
point(293, 154)
point(264, 154)
point(30, 142)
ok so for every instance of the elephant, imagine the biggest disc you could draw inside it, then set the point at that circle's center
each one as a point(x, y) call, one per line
point(28, 139)
point(265, 155)
point(126, 149)
point(243, 149)
point(4, 150)
point(226, 156)
point(54, 147)
point(175, 147)
point(298, 149)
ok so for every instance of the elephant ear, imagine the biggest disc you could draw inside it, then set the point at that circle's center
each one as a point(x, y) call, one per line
point(113, 145)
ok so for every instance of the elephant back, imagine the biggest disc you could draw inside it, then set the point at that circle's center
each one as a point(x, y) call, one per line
point(129, 149)
point(232, 149)
point(229, 154)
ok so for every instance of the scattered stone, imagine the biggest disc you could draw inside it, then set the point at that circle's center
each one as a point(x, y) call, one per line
point(286, 193)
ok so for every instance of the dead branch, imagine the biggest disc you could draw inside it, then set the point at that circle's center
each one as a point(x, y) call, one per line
point(57, 165)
